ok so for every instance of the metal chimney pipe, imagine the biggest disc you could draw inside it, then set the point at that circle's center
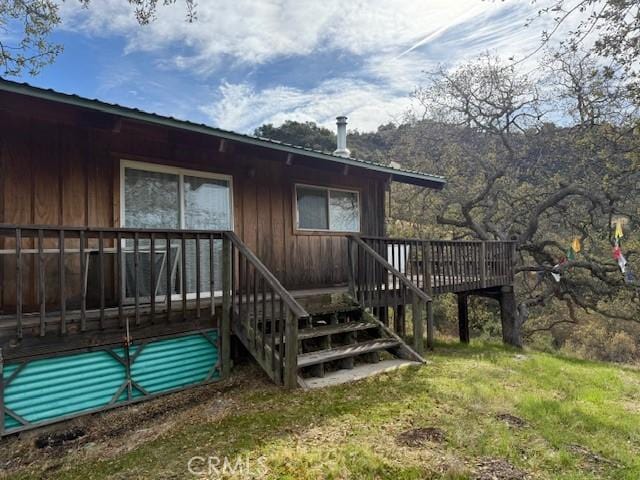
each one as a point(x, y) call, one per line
point(342, 149)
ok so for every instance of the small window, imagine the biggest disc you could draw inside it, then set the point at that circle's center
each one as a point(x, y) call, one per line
point(327, 209)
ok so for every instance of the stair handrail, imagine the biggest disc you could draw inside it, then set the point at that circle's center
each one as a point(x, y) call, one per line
point(396, 273)
point(420, 298)
point(282, 367)
point(291, 302)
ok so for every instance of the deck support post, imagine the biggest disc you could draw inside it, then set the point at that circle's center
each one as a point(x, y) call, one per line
point(430, 331)
point(511, 328)
point(291, 351)
point(399, 320)
point(225, 324)
point(383, 315)
point(418, 326)
point(463, 317)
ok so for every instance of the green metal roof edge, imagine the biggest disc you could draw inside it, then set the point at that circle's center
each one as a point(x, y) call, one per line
point(400, 175)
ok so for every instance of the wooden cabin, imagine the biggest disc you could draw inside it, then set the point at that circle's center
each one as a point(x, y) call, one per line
point(139, 253)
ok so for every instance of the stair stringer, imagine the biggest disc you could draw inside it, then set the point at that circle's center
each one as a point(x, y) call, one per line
point(238, 330)
point(403, 351)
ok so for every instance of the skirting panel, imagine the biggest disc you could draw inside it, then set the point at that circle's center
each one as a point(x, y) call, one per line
point(40, 391)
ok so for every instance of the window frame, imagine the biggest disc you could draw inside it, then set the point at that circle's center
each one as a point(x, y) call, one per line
point(181, 173)
point(321, 231)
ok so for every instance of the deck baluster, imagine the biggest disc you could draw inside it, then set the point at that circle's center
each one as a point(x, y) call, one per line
point(212, 277)
point(169, 269)
point(83, 283)
point(121, 279)
point(198, 276)
point(136, 282)
point(152, 277)
point(42, 294)
point(274, 332)
point(63, 284)
point(228, 293)
point(18, 283)
point(183, 270)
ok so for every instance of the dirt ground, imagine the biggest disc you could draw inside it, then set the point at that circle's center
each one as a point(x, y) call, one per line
point(108, 434)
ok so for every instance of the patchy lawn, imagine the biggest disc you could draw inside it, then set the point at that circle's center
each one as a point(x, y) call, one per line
point(481, 412)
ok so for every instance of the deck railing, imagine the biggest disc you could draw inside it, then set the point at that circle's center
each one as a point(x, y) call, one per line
point(125, 283)
point(57, 281)
point(377, 285)
point(61, 279)
point(440, 266)
point(267, 314)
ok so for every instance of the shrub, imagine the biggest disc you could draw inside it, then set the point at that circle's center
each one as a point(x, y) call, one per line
point(622, 348)
point(598, 341)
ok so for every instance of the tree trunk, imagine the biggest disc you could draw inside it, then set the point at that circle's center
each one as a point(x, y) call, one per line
point(511, 325)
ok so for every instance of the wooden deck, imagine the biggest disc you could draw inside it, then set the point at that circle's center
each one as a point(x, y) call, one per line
point(65, 288)
point(445, 266)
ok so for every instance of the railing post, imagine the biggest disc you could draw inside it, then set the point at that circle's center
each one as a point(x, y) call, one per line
point(291, 351)
point(483, 264)
point(428, 268)
point(351, 266)
point(225, 326)
point(418, 323)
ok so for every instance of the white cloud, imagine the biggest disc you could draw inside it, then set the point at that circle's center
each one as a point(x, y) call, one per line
point(257, 31)
point(395, 41)
point(379, 91)
point(240, 107)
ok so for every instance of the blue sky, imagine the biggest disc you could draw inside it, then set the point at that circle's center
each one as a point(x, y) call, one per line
point(247, 62)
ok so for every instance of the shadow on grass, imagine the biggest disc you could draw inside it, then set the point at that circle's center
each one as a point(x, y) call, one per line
point(271, 414)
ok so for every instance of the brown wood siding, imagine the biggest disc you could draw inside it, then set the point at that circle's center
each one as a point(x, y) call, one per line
point(61, 167)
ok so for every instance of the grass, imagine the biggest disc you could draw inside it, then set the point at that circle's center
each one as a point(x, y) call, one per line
point(582, 421)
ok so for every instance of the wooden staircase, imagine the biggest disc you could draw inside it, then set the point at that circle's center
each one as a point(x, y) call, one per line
point(337, 342)
point(319, 340)
point(340, 342)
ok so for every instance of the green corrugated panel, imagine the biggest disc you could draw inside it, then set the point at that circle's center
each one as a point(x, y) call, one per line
point(49, 388)
point(55, 387)
point(9, 422)
point(175, 363)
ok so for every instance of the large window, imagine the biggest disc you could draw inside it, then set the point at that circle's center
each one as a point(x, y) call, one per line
point(170, 198)
point(163, 197)
point(328, 209)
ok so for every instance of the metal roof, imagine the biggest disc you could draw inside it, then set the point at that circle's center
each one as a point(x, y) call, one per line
point(399, 175)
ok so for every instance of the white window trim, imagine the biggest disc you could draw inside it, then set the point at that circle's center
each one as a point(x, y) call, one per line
point(181, 173)
point(328, 190)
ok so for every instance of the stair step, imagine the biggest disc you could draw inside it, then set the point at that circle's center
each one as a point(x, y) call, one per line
point(321, 331)
point(358, 373)
point(329, 309)
point(324, 330)
point(321, 356)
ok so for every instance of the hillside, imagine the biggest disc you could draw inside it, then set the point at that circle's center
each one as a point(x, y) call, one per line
point(473, 412)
